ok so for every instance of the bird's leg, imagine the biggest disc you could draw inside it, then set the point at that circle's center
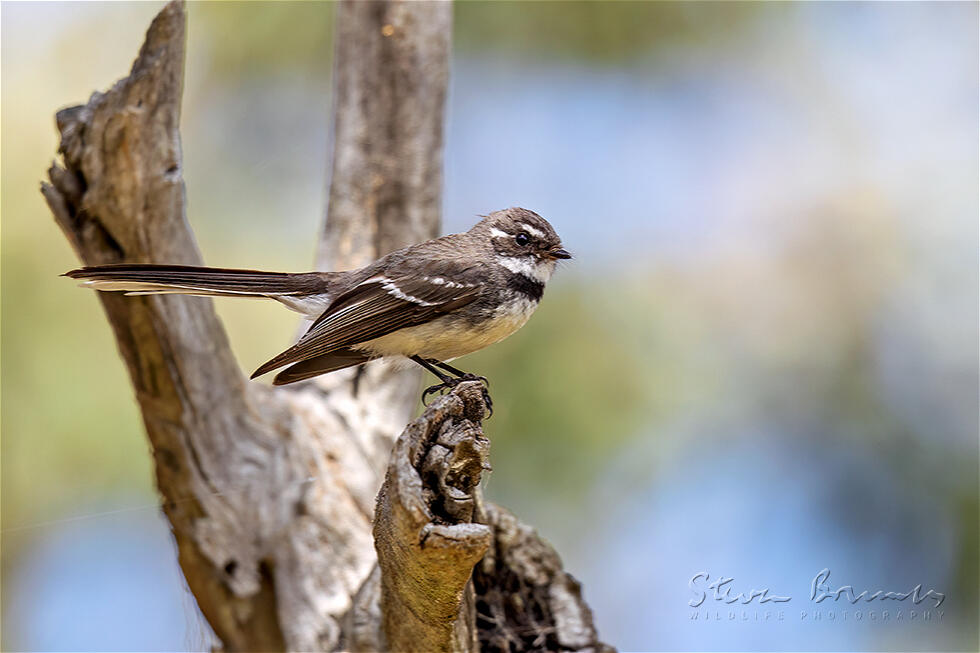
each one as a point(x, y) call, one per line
point(449, 382)
point(463, 376)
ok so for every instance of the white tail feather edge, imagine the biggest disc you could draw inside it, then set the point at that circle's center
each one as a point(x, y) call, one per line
point(311, 305)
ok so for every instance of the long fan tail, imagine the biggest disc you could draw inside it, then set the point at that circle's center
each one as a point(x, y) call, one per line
point(146, 279)
point(307, 292)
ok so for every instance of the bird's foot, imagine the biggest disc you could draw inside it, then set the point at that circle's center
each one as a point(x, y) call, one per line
point(474, 377)
point(449, 384)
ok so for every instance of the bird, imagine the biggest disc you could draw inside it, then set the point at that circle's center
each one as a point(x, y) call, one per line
point(428, 303)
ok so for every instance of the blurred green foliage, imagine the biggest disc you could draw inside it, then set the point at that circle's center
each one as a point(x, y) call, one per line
point(280, 39)
point(566, 398)
point(603, 32)
point(243, 42)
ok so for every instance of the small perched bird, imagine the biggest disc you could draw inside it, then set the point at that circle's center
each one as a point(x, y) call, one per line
point(430, 303)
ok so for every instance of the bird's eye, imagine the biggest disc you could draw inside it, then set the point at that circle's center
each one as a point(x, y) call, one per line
point(522, 239)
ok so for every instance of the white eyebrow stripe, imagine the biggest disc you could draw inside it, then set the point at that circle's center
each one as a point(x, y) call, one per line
point(497, 233)
point(533, 231)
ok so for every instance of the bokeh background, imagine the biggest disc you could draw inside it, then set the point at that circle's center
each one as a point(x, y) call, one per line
point(763, 361)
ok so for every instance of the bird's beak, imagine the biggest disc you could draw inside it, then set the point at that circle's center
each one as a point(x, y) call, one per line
point(558, 253)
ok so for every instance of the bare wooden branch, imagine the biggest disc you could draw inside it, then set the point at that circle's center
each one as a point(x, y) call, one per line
point(391, 72)
point(120, 197)
point(424, 531)
point(271, 491)
point(269, 494)
point(432, 526)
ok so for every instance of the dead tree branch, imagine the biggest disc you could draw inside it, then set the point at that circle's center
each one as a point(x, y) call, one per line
point(271, 491)
point(424, 529)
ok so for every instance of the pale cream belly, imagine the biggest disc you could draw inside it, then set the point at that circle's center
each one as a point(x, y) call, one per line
point(447, 338)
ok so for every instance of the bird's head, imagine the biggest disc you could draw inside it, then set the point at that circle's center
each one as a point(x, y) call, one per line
point(522, 241)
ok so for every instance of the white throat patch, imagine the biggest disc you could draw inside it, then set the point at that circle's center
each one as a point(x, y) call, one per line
point(529, 266)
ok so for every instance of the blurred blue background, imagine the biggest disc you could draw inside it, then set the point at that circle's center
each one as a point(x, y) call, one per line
point(762, 362)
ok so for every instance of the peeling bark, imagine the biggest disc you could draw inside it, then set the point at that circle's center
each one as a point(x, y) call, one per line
point(273, 493)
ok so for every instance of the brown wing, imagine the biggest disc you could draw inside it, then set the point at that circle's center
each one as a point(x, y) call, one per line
point(305, 369)
point(374, 308)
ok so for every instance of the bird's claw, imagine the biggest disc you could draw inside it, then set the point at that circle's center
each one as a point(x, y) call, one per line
point(439, 388)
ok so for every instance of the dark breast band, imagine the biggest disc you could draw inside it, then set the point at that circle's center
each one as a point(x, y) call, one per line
point(526, 286)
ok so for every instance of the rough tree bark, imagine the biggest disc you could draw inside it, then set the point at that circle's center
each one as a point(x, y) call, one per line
point(283, 534)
